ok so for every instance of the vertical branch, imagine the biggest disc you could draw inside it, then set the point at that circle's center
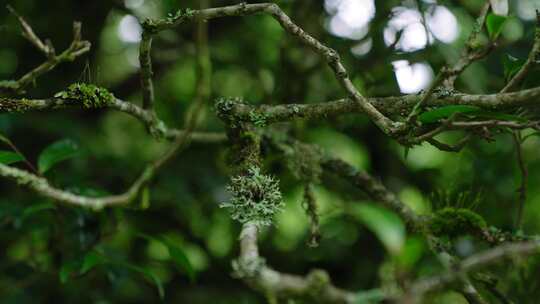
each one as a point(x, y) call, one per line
point(204, 65)
point(310, 205)
point(524, 179)
point(145, 60)
point(203, 89)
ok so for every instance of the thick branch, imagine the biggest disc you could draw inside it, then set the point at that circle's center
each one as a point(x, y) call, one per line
point(16, 105)
point(252, 269)
point(395, 105)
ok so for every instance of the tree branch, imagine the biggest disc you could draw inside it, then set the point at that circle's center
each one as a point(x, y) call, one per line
point(330, 55)
point(531, 60)
point(77, 48)
point(252, 269)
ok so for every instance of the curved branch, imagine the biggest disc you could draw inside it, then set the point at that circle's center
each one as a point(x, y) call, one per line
point(252, 269)
point(330, 55)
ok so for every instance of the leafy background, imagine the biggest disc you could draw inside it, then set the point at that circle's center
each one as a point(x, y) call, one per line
point(179, 246)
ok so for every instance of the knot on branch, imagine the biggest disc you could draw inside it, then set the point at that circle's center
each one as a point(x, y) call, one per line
point(255, 197)
point(318, 280)
point(247, 267)
point(89, 95)
point(224, 108)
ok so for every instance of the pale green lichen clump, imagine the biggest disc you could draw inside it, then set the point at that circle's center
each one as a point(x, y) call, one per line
point(256, 198)
point(89, 95)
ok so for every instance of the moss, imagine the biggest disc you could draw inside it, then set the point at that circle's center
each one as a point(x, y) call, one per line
point(456, 221)
point(91, 96)
point(255, 198)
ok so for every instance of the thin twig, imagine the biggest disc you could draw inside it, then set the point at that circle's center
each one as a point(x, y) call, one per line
point(522, 190)
point(330, 55)
point(29, 34)
point(531, 59)
point(77, 48)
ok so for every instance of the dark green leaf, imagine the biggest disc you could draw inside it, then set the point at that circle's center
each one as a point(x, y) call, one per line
point(494, 25)
point(498, 116)
point(148, 274)
point(68, 269)
point(175, 252)
point(511, 66)
point(445, 112)
point(91, 260)
point(55, 153)
point(8, 157)
point(179, 258)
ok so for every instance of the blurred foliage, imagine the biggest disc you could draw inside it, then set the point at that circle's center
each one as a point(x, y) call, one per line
point(180, 246)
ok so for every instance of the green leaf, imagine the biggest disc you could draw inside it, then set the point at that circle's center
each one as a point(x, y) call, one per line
point(499, 116)
point(145, 198)
point(385, 224)
point(176, 253)
point(445, 112)
point(494, 25)
point(68, 269)
point(8, 157)
point(530, 135)
point(511, 66)
point(148, 274)
point(91, 260)
point(179, 258)
point(55, 153)
point(412, 251)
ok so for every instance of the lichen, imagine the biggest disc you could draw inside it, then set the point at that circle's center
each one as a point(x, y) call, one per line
point(255, 198)
point(454, 222)
point(89, 95)
point(181, 13)
point(258, 119)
